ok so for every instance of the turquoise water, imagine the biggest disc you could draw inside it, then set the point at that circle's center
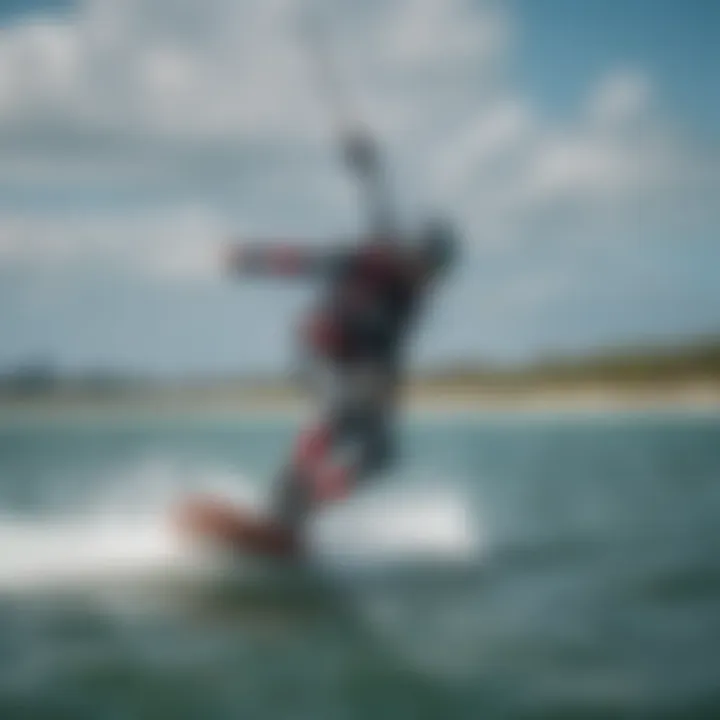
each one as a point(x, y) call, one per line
point(512, 567)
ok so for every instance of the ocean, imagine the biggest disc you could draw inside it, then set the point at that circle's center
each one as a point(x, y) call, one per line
point(510, 566)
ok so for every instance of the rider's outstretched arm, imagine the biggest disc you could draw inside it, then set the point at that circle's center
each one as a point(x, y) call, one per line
point(284, 260)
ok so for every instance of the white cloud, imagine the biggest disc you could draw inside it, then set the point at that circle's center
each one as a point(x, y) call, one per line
point(615, 168)
point(500, 130)
point(214, 104)
point(619, 98)
point(174, 243)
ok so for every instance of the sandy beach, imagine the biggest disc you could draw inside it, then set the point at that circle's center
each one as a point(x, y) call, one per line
point(596, 398)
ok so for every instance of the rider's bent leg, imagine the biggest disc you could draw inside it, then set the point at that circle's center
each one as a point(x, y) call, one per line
point(317, 473)
point(372, 452)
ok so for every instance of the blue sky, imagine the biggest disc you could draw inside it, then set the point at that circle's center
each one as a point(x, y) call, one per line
point(576, 144)
point(566, 43)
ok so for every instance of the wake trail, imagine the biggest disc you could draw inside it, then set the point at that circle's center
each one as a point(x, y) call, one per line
point(121, 537)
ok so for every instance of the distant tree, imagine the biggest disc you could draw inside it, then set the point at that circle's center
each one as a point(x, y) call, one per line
point(36, 376)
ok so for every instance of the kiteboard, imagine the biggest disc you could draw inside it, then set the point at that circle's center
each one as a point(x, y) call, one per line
point(230, 526)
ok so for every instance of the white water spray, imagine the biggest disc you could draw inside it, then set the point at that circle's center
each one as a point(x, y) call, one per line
point(124, 534)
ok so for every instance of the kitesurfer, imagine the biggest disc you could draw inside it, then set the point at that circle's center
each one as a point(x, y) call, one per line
point(353, 343)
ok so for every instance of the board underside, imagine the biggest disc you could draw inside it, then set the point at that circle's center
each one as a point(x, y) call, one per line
point(229, 525)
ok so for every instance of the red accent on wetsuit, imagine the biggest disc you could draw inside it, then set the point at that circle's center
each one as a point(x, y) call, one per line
point(325, 482)
point(288, 260)
point(312, 447)
point(332, 331)
point(332, 483)
point(325, 335)
point(378, 262)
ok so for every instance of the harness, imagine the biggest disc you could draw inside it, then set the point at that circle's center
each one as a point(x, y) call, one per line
point(369, 305)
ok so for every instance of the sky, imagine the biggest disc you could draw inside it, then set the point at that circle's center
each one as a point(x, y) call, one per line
point(575, 144)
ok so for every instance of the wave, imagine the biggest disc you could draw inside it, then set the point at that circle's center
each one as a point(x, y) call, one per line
point(122, 533)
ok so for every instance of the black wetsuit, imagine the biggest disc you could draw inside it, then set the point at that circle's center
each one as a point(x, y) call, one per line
point(353, 342)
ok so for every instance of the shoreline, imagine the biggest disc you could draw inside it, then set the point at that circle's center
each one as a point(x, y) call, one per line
point(693, 399)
